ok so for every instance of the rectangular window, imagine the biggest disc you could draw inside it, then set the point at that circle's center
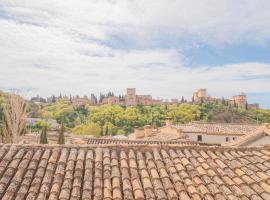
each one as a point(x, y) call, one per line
point(227, 139)
point(199, 137)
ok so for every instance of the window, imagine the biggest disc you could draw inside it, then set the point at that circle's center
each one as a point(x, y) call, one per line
point(234, 138)
point(227, 139)
point(199, 137)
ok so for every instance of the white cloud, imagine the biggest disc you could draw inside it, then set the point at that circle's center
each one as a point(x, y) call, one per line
point(208, 20)
point(56, 46)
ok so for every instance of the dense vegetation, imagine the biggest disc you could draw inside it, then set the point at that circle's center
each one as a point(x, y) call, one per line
point(113, 120)
point(256, 116)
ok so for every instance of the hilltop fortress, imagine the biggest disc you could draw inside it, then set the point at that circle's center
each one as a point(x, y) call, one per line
point(241, 100)
point(131, 98)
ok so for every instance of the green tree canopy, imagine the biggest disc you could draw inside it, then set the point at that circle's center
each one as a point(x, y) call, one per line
point(88, 129)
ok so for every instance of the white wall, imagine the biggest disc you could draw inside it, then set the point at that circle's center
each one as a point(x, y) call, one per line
point(215, 139)
point(260, 141)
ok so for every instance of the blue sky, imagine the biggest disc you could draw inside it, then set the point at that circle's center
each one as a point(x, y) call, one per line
point(165, 48)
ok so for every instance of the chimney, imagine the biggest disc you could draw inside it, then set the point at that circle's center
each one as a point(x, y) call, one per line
point(148, 130)
point(139, 133)
point(181, 133)
point(168, 121)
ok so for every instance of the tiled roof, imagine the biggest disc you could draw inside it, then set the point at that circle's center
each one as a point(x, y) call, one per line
point(182, 142)
point(217, 129)
point(132, 172)
point(166, 133)
point(249, 138)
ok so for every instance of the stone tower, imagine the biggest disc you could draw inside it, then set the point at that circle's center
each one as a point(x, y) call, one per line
point(200, 95)
point(240, 100)
point(131, 97)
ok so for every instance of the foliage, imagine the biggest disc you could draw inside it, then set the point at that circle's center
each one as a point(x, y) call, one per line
point(34, 110)
point(112, 117)
point(88, 129)
point(261, 115)
point(120, 132)
point(14, 118)
point(40, 124)
point(64, 111)
point(43, 135)
point(108, 119)
point(61, 136)
point(108, 129)
point(184, 113)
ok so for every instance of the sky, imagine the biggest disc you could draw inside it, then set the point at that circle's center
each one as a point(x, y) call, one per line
point(165, 48)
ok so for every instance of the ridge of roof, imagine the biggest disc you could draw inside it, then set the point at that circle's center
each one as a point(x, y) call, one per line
point(264, 129)
point(218, 129)
point(134, 146)
point(178, 141)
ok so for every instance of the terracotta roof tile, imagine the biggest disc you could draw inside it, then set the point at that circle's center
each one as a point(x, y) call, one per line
point(217, 129)
point(128, 172)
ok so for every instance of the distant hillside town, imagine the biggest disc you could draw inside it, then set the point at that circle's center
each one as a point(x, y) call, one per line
point(131, 98)
point(240, 100)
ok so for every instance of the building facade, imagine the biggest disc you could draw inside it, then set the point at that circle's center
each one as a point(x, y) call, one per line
point(200, 95)
point(240, 100)
point(131, 97)
point(144, 100)
point(111, 100)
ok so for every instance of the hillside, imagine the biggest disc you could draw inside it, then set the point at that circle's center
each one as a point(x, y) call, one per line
point(102, 120)
point(231, 117)
point(227, 114)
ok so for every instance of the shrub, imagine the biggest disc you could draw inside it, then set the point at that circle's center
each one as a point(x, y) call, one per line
point(89, 129)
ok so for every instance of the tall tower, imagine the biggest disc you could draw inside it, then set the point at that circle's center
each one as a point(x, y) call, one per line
point(202, 93)
point(131, 97)
point(240, 100)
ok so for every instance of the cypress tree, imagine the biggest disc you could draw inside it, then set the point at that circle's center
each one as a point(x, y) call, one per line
point(106, 130)
point(43, 135)
point(61, 137)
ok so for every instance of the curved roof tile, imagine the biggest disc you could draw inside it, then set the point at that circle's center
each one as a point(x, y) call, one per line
point(133, 172)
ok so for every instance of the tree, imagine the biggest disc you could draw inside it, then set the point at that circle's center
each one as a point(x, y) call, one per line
point(223, 101)
point(120, 132)
point(14, 118)
point(61, 136)
point(43, 135)
point(53, 99)
point(105, 130)
point(101, 97)
point(182, 100)
point(89, 129)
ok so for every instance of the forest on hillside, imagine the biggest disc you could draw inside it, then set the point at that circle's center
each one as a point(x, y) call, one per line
point(116, 119)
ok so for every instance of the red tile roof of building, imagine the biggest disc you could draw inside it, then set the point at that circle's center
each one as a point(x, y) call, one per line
point(217, 129)
point(264, 130)
point(133, 172)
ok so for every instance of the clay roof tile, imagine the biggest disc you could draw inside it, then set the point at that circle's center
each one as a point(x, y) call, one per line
point(118, 172)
